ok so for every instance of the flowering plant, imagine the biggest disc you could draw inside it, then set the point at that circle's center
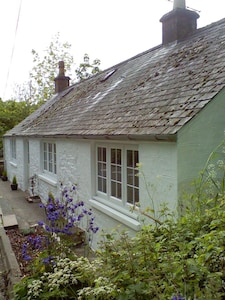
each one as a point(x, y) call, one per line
point(68, 223)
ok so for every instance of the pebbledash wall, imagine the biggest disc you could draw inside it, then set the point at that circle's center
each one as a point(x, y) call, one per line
point(76, 164)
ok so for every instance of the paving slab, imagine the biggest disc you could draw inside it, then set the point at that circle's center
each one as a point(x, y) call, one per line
point(9, 221)
point(15, 203)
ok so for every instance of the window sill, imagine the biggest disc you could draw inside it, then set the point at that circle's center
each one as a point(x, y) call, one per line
point(116, 214)
point(48, 179)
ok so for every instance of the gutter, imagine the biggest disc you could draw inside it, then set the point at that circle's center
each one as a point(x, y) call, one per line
point(132, 137)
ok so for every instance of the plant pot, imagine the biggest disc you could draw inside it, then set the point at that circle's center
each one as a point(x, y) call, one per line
point(4, 178)
point(14, 186)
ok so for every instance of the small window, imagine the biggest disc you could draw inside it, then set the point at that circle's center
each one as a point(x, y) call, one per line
point(49, 157)
point(13, 148)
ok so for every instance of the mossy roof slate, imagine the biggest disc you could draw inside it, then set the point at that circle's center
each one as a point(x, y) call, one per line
point(151, 95)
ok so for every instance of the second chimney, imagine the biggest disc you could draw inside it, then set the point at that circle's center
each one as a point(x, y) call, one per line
point(61, 81)
point(178, 23)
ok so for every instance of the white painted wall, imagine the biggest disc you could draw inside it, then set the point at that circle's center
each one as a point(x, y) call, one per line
point(14, 166)
point(158, 175)
point(76, 164)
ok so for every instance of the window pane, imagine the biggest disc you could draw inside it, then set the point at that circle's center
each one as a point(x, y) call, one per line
point(130, 195)
point(119, 191)
point(101, 169)
point(102, 185)
point(104, 154)
point(136, 195)
point(116, 190)
point(101, 154)
point(113, 189)
point(129, 158)
point(113, 172)
point(113, 156)
point(54, 158)
point(132, 178)
point(136, 158)
point(118, 174)
point(118, 157)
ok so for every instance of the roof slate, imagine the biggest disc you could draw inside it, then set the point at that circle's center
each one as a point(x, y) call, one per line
point(153, 94)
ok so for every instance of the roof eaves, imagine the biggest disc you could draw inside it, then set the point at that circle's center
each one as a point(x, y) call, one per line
point(131, 137)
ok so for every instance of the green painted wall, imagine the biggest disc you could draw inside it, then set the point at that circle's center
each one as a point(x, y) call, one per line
point(197, 139)
point(158, 174)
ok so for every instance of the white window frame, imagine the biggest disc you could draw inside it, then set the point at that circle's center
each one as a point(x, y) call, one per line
point(106, 175)
point(49, 158)
point(13, 148)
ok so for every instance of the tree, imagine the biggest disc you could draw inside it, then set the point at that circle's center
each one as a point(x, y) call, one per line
point(12, 113)
point(87, 69)
point(44, 69)
point(41, 83)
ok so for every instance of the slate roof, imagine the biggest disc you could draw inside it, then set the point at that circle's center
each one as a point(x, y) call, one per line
point(151, 95)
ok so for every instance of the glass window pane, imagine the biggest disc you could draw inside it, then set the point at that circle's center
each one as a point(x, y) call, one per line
point(130, 175)
point(104, 154)
point(136, 179)
point(130, 195)
point(136, 158)
point(118, 174)
point(100, 184)
point(113, 173)
point(136, 195)
point(119, 158)
point(129, 158)
point(113, 156)
point(119, 191)
point(113, 189)
point(104, 185)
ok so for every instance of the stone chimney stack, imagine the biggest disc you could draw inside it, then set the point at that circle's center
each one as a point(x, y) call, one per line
point(178, 23)
point(61, 81)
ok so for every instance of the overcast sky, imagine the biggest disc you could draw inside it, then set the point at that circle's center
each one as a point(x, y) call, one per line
point(111, 30)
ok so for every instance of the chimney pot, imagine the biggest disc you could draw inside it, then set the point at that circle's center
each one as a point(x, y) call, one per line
point(179, 4)
point(61, 81)
point(178, 23)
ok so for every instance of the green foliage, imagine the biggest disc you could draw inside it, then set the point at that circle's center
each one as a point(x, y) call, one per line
point(14, 180)
point(4, 173)
point(41, 83)
point(45, 67)
point(68, 276)
point(40, 87)
point(87, 69)
point(12, 113)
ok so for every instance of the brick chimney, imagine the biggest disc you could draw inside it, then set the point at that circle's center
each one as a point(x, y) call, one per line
point(178, 23)
point(61, 81)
